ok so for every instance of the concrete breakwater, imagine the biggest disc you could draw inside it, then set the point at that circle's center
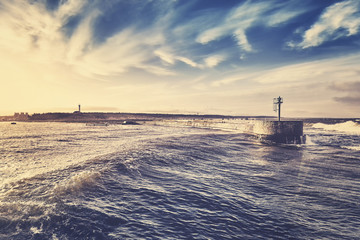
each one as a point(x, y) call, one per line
point(290, 132)
point(280, 131)
point(237, 125)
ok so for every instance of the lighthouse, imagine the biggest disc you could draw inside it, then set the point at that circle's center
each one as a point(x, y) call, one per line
point(79, 111)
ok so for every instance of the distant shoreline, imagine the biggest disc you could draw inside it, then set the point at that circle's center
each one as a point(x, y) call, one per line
point(118, 118)
point(101, 117)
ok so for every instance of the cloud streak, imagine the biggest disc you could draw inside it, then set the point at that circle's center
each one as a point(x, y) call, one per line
point(337, 21)
point(245, 16)
point(351, 90)
point(327, 71)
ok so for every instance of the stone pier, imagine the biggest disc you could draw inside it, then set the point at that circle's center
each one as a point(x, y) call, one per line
point(280, 131)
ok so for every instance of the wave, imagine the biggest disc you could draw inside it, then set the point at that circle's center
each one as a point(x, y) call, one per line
point(347, 127)
point(356, 148)
point(76, 183)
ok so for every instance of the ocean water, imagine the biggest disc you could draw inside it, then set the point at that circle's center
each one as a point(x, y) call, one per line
point(72, 181)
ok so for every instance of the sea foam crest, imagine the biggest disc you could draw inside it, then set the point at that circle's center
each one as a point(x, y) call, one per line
point(17, 210)
point(348, 127)
point(77, 182)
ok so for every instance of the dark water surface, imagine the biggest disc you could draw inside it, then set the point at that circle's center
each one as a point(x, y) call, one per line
point(70, 181)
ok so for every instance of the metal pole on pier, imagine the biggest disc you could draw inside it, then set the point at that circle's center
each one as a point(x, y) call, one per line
point(277, 105)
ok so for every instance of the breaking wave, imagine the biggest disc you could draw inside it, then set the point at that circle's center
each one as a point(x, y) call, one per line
point(77, 182)
point(349, 127)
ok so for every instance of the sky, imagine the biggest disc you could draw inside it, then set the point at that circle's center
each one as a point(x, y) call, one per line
point(181, 56)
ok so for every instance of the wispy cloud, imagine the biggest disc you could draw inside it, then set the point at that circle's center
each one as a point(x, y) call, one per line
point(245, 16)
point(236, 24)
point(38, 32)
point(348, 89)
point(339, 20)
point(353, 100)
point(348, 86)
point(165, 56)
point(170, 58)
point(232, 79)
point(327, 71)
point(213, 61)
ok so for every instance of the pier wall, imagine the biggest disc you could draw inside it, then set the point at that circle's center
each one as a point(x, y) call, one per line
point(280, 132)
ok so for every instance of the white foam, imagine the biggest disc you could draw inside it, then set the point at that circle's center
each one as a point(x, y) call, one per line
point(309, 140)
point(15, 210)
point(356, 148)
point(36, 230)
point(77, 182)
point(348, 127)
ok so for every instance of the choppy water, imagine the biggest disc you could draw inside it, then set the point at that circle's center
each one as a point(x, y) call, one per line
point(71, 181)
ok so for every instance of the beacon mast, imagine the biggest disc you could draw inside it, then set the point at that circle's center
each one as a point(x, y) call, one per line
point(277, 105)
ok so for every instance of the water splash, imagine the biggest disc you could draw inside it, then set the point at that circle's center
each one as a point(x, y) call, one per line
point(348, 127)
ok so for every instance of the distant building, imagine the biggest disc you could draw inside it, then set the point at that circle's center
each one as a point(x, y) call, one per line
point(21, 116)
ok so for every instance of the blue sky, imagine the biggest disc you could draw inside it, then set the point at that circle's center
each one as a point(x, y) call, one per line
point(181, 56)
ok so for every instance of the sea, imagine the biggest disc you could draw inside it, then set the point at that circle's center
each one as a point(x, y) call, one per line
point(72, 181)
